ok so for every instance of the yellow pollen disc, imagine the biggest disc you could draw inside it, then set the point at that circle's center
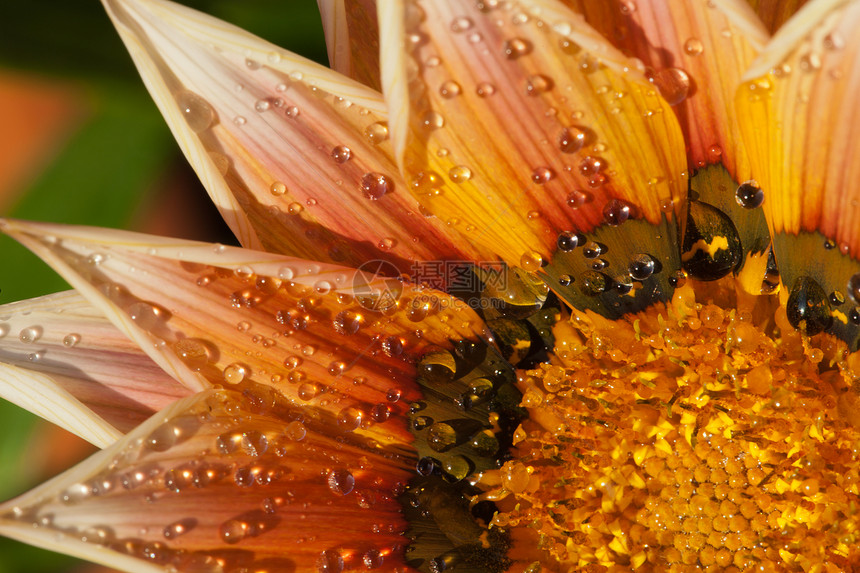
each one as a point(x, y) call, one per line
point(694, 436)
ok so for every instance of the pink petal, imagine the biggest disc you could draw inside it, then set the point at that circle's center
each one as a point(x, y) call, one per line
point(72, 344)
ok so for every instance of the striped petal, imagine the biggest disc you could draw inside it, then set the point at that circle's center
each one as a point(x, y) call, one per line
point(67, 348)
point(775, 13)
point(696, 51)
point(225, 481)
point(516, 125)
point(213, 316)
point(352, 38)
point(799, 115)
point(293, 154)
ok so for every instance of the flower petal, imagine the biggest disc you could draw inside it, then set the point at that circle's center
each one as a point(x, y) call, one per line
point(775, 13)
point(352, 38)
point(292, 153)
point(214, 315)
point(511, 132)
point(219, 482)
point(798, 113)
point(63, 341)
point(696, 52)
point(42, 396)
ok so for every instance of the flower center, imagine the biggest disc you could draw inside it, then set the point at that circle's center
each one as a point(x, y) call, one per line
point(695, 433)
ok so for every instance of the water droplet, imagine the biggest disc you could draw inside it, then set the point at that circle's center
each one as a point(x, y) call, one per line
point(593, 249)
point(590, 166)
point(594, 283)
point(749, 195)
point(531, 261)
point(693, 46)
point(627, 7)
point(678, 279)
point(30, 334)
point(71, 340)
point(461, 24)
point(341, 482)
point(837, 298)
point(853, 288)
point(673, 83)
point(341, 154)
point(192, 352)
point(711, 245)
point(622, 284)
point(323, 287)
point(262, 105)
point(432, 120)
point(308, 391)
point(376, 132)
point(516, 47)
point(571, 139)
point(240, 120)
point(542, 175)
point(485, 89)
point(292, 112)
point(576, 199)
point(178, 528)
point(441, 437)
point(538, 84)
point(347, 322)
point(349, 419)
point(277, 188)
point(460, 173)
point(808, 305)
point(567, 241)
point(450, 89)
point(565, 280)
point(197, 112)
point(616, 212)
point(295, 208)
point(235, 373)
point(641, 267)
point(286, 273)
point(375, 185)
point(233, 531)
point(295, 431)
point(330, 561)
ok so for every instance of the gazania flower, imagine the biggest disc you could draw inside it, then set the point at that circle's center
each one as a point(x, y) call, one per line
point(649, 210)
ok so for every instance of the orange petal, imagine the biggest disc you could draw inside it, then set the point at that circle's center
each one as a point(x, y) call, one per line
point(799, 115)
point(213, 315)
point(775, 13)
point(510, 131)
point(68, 344)
point(799, 119)
point(352, 38)
point(225, 481)
point(292, 153)
point(696, 52)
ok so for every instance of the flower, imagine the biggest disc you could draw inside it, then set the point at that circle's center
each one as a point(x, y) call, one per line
point(685, 398)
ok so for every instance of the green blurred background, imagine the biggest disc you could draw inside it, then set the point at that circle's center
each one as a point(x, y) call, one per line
point(81, 142)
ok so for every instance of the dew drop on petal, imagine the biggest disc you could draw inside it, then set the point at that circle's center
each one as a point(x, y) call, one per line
point(693, 47)
point(341, 154)
point(235, 373)
point(71, 340)
point(375, 185)
point(516, 47)
point(262, 105)
point(376, 132)
point(330, 561)
point(341, 482)
point(853, 288)
point(347, 322)
point(567, 241)
point(749, 195)
point(485, 89)
point(461, 24)
point(641, 267)
point(450, 89)
point(197, 112)
point(30, 334)
point(571, 139)
point(233, 531)
point(295, 431)
point(432, 120)
point(531, 261)
point(460, 173)
point(673, 83)
point(538, 84)
point(542, 175)
point(277, 189)
point(616, 212)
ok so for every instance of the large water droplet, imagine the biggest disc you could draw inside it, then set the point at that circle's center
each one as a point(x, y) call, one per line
point(808, 305)
point(375, 185)
point(693, 46)
point(673, 83)
point(538, 84)
point(460, 173)
point(235, 373)
point(567, 241)
point(571, 139)
point(30, 334)
point(347, 322)
point(341, 482)
point(641, 267)
point(450, 89)
point(485, 89)
point(749, 195)
point(711, 247)
point(71, 340)
point(341, 154)
point(531, 261)
point(853, 288)
point(197, 112)
point(516, 47)
point(233, 531)
point(376, 132)
point(616, 212)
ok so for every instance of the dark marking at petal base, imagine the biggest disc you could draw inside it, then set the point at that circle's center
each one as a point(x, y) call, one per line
point(712, 248)
point(808, 305)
